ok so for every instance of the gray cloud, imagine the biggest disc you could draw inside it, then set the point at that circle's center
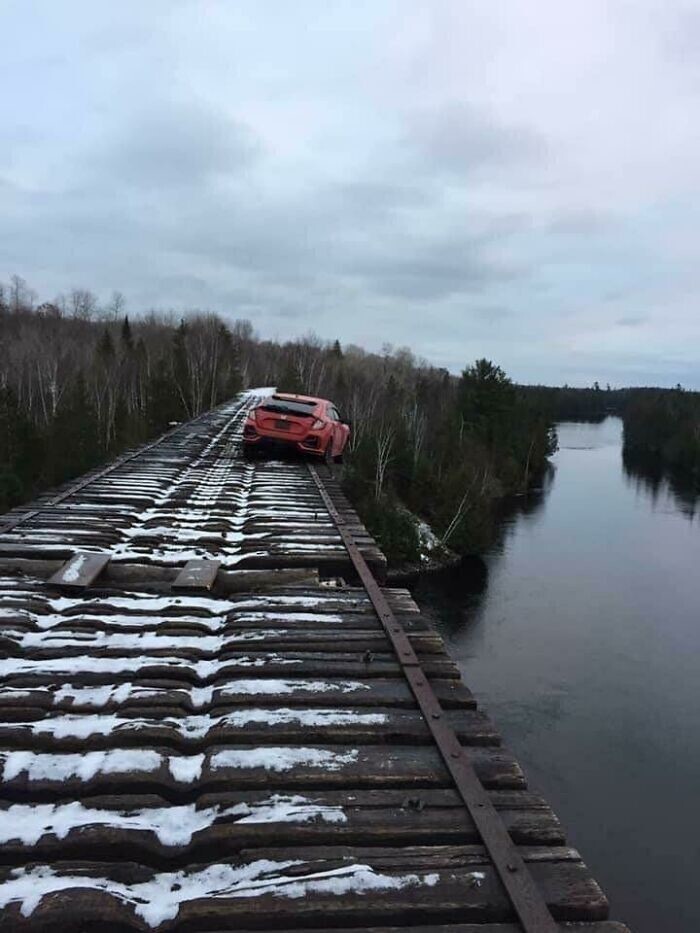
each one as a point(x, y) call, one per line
point(632, 320)
point(175, 145)
point(460, 138)
point(436, 183)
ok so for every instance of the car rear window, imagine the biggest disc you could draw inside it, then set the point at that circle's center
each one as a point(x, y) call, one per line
point(287, 406)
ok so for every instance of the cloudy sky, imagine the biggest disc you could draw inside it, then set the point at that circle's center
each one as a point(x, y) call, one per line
point(517, 179)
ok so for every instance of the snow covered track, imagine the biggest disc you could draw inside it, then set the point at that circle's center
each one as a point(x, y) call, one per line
point(246, 757)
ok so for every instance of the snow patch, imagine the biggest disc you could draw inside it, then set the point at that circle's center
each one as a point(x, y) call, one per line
point(283, 758)
point(159, 899)
point(172, 826)
point(75, 565)
point(45, 767)
point(186, 769)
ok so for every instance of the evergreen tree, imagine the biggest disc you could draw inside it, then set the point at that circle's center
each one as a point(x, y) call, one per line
point(127, 339)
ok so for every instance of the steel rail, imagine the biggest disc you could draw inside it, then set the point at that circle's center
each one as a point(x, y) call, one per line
point(527, 899)
point(114, 465)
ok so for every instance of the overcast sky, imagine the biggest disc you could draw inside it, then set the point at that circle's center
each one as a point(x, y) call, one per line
point(516, 180)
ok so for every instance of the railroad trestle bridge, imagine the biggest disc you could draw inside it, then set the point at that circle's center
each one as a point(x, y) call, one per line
point(215, 716)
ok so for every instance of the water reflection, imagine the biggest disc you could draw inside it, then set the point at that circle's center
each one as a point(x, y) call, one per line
point(578, 632)
point(647, 475)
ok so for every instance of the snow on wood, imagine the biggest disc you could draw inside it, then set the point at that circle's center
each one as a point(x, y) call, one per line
point(159, 899)
point(173, 826)
point(100, 696)
point(282, 758)
point(191, 727)
point(102, 665)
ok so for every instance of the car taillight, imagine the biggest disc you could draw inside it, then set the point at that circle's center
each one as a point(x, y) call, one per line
point(317, 425)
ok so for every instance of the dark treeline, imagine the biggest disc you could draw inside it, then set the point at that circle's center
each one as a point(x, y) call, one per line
point(78, 386)
point(572, 404)
point(661, 426)
point(80, 382)
point(662, 430)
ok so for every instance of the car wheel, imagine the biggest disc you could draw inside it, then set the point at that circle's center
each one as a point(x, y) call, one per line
point(328, 453)
point(338, 458)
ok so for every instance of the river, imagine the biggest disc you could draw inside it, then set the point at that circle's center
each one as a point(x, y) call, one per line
point(581, 639)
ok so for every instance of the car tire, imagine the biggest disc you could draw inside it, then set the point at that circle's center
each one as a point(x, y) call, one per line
point(328, 454)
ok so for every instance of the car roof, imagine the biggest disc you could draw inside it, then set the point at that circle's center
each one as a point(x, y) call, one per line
point(290, 397)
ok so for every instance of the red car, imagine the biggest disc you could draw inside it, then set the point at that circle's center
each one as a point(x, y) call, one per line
point(310, 425)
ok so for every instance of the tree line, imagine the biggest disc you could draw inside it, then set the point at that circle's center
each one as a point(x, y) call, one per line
point(661, 427)
point(80, 382)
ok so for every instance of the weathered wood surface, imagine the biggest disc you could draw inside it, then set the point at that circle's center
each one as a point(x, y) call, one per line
point(226, 822)
point(307, 692)
point(397, 885)
point(197, 574)
point(607, 926)
point(80, 571)
point(248, 756)
point(191, 498)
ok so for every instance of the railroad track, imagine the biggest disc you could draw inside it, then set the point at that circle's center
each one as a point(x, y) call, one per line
point(202, 728)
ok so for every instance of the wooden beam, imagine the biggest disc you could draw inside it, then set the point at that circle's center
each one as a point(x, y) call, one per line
point(81, 570)
point(197, 575)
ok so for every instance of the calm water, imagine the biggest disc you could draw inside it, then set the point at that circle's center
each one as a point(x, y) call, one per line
point(582, 641)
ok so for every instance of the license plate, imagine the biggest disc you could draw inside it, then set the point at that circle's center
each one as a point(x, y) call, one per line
point(282, 425)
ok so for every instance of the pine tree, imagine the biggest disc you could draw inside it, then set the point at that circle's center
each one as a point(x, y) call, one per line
point(127, 339)
point(105, 347)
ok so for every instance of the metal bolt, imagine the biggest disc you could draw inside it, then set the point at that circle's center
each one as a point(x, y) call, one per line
point(511, 866)
point(435, 715)
point(456, 754)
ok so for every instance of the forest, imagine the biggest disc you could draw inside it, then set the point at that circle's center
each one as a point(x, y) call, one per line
point(661, 426)
point(80, 382)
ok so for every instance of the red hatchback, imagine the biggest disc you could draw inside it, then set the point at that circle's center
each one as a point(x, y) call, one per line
point(311, 425)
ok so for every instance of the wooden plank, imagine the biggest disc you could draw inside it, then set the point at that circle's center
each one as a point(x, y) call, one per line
point(143, 693)
point(606, 926)
point(197, 575)
point(253, 581)
point(263, 893)
point(162, 770)
point(268, 725)
point(178, 622)
point(63, 644)
point(221, 824)
point(92, 669)
point(81, 570)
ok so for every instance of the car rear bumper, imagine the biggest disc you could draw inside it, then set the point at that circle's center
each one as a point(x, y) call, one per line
point(280, 445)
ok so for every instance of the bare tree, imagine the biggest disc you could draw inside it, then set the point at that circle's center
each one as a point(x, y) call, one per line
point(417, 425)
point(115, 307)
point(21, 296)
point(83, 303)
point(385, 443)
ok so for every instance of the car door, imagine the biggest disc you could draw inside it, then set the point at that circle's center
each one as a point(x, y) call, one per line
point(334, 419)
point(340, 431)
